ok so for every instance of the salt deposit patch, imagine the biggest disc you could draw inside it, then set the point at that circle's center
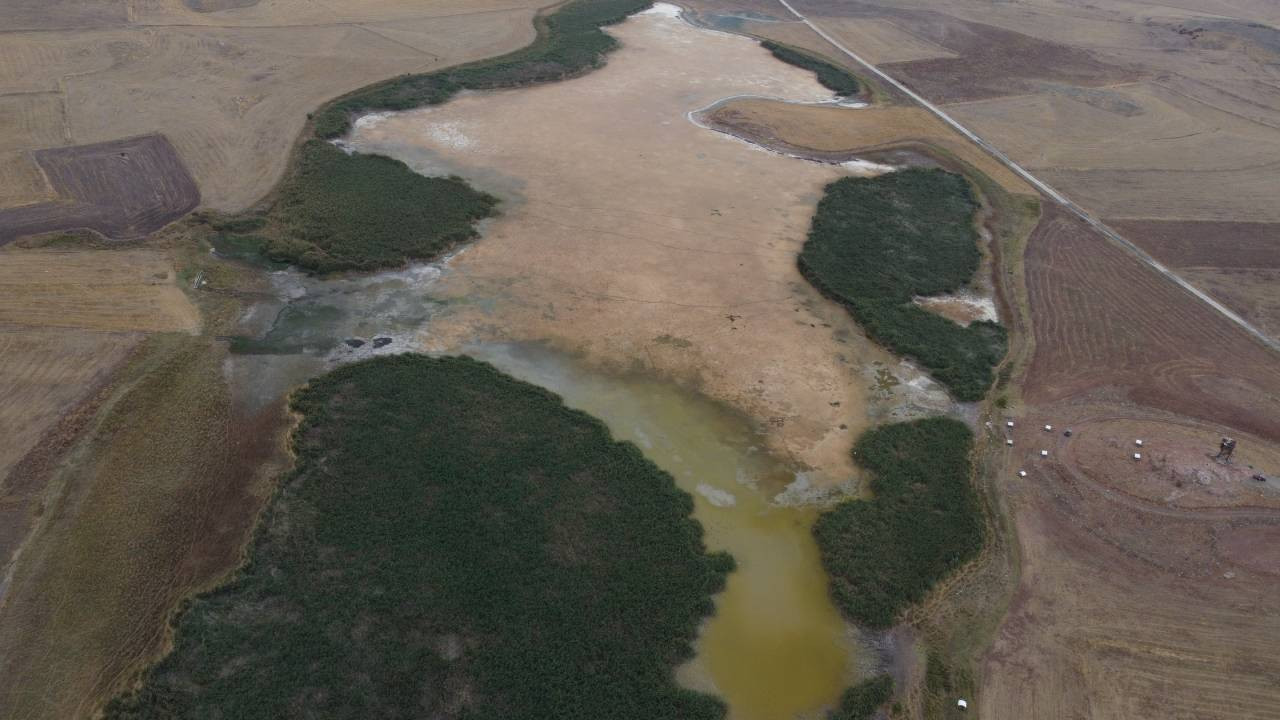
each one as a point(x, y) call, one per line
point(449, 135)
point(663, 9)
point(716, 496)
point(963, 307)
point(866, 168)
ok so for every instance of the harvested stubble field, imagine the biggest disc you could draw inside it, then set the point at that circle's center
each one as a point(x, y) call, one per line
point(121, 189)
point(113, 70)
point(125, 289)
point(153, 501)
point(47, 377)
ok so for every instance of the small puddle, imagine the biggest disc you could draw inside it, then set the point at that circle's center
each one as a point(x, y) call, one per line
point(776, 648)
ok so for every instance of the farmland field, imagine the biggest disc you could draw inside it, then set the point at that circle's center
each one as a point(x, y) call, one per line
point(119, 70)
point(1106, 326)
point(634, 199)
point(125, 289)
point(121, 189)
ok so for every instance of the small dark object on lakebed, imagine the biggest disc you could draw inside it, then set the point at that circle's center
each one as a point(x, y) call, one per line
point(1260, 477)
point(381, 342)
point(354, 342)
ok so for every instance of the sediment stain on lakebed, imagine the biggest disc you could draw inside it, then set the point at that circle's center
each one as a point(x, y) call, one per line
point(777, 648)
point(638, 240)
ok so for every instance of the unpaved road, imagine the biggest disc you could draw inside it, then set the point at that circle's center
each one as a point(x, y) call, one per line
point(1040, 185)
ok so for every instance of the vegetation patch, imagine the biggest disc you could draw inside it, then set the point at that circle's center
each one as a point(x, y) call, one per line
point(861, 701)
point(569, 42)
point(925, 520)
point(877, 243)
point(340, 211)
point(451, 543)
point(834, 78)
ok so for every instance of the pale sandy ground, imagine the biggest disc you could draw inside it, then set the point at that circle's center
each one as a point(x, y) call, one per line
point(642, 241)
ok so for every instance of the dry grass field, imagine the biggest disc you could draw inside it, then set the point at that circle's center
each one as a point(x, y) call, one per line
point(844, 130)
point(229, 88)
point(21, 181)
point(153, 502)
point(126, 289)
point(83, 330)
point(50, 380)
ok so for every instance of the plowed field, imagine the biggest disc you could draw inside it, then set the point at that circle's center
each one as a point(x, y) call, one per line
point(1107, 326)
point(122, 189)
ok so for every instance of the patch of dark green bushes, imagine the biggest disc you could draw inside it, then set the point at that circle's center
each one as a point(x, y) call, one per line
point(452, 543)
point(877, 243)
point(569, 42)
point(861, 701)
point(884, 554)
point(341, 211)
point(832, 77)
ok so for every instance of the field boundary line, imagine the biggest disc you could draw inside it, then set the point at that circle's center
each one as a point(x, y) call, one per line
point(1042, 186)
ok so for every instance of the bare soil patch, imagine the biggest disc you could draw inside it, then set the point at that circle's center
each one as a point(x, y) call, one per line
point(1172, 471)
point(1127, 611)
point(1186, 243)
point(121, 189)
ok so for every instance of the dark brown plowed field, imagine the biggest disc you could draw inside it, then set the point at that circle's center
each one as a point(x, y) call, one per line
point(1184, 243)
point(122, 189)
point(993, 61)
point(1111, 328)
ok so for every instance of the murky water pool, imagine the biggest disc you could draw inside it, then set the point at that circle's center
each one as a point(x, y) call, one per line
point(777, 648)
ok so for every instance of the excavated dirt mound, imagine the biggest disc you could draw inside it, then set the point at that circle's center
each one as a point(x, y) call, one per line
point(122, 189)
